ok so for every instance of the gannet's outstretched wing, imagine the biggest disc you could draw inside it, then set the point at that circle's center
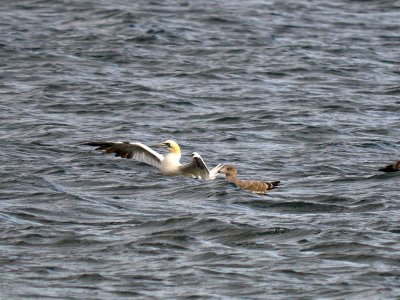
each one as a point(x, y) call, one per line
point(391, 168)
point(136, 151)
point(197, 168)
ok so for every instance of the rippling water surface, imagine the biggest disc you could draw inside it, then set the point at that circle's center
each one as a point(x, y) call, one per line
point(305, 92)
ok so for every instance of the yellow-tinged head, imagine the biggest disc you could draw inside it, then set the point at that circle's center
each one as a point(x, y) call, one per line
point(171, 145)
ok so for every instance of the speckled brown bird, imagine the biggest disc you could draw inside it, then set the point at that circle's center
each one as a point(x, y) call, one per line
point(254, 186)
point(391, 168)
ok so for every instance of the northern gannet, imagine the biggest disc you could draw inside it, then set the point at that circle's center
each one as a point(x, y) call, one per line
point(255, 186)
point(168, 164)
point(391, 168)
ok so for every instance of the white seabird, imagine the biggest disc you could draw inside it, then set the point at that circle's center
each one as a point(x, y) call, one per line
point(168, 164)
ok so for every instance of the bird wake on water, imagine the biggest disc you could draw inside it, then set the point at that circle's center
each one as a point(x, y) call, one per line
point(168, 164)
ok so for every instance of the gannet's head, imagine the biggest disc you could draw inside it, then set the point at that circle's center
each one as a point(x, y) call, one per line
point(171, 145)
point(228, 170)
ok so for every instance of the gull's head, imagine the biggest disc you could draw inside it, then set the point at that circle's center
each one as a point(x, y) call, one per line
point(228, 170)
point(171, 145)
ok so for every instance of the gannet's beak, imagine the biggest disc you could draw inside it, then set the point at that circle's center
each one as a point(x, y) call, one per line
point(160, 145)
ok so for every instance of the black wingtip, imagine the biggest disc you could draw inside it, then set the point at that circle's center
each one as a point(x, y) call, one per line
point(92, 143)
point(97, 143)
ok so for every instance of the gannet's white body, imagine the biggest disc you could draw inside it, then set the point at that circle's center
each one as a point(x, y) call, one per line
point(168, 164)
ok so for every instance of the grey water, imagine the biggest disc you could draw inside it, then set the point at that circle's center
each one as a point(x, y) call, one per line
point(305, 92)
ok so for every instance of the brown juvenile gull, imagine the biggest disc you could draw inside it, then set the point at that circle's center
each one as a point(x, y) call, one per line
point(391, 168)
point(255, 186)
point(168, 164)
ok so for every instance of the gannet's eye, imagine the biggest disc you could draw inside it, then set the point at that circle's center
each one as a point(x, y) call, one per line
point(168, 145)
